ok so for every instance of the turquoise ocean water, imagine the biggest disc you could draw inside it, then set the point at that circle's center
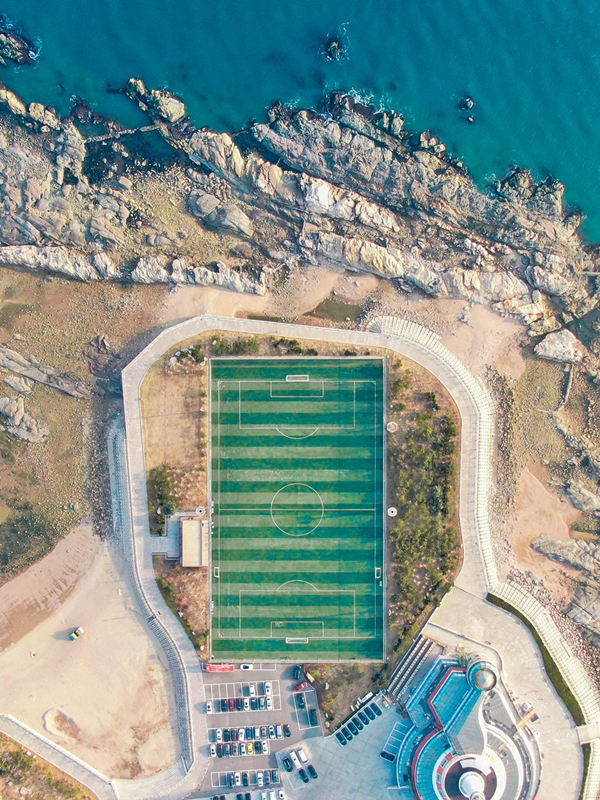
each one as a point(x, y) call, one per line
point(533, 68)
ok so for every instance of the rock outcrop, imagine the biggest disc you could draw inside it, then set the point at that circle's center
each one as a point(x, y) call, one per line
point(15, 421)
point(560, 346)
point(15, 47)
point(584, 556)
point(29, 367)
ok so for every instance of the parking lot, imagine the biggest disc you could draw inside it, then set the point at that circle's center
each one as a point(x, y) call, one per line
point(288, 708)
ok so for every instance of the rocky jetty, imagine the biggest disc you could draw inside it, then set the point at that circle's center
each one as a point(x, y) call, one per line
point(14, 47)
point(349, 187)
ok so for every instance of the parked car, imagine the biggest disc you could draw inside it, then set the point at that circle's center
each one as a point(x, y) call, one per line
point(268, 689)
point(246, 666)
point(250, 748)
point(267, 777)
point(219, 747)
point(358, 723)
point(242, 734)
point(363, 717)
point(271, 731)
point(301, 686)
point(376, 709)
point(295, 760)
point(387, 756)
point(259, 778)
point(341, 738)
point(297, 673)
point(302, 755)
point(209, 707)
point(238, 779)
point(245, 779)
point(281, 795)
point(303, 775)
point(231, 703)
point(224, 705)
point(312, 771)
point(369, 712)
point(286, 731)
point(263, 731)
point(352, 727)
point(246, 704)
point(239, 703)
point(249, 734)
point(254, 703)
point(262, 703)
point(279, 731)
point(274, 776)
point(287, 764)
point(346, 732)
point(300, 701)
point(242, 748)
point(251, 690)
point(218, 735)
point(212, 748)
point(312, 717)
point(269, 701)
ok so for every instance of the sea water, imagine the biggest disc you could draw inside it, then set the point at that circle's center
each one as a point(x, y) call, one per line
point(532, 67)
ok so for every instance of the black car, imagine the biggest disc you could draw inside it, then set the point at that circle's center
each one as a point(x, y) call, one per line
point(286, 731)
point(274, 776)
point(376, 709)
point(245, 779)
point(249, 734)
point(369, 712)
point(267, 777)
point(287, 764)
point(254, 703)
point(247, 796)
point(363, 717)
point(312, 771)
point(219, 750)
point(358, 723)
point(303, 775)
point(239, 796)
point(258, 747)
point(300, 701)
point(297, 673)
point(346, 732)
point(352, 727)
point(312, 717)
point(224, 705)
point(230, 780)
point(226, 735)
point(340, 737)
point(387, 756)
point(239, 703)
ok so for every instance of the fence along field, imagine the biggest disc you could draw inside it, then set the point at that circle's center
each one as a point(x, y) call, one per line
point(297, 488)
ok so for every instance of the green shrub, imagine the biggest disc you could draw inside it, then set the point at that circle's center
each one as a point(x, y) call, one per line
point(27, 535)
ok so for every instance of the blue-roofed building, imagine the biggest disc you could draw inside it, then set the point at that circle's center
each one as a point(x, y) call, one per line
point(461, 737)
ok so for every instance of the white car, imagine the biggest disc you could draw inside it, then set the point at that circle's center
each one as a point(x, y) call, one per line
point(246, 704)
point(242, 749)
point(252, 690)
point(281, 795)
point(269, 703)
point(213, 750)
point(264, 796)
point(209, 707)
point(242, 735)
point(246, 666)
point(259, 779)
point(271, 731)
point(219, 735)
point(237, 779)
point(268, 689)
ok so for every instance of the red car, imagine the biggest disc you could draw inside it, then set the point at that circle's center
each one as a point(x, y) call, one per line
point(300, 686)
point(231, 704)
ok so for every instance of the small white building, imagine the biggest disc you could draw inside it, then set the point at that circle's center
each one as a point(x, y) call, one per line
point(194, 542)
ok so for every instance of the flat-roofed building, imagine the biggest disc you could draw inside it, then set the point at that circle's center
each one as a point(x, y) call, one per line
point(194, 542)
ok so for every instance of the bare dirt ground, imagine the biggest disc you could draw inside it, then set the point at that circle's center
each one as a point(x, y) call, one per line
point(31, 596)
point(105, 696)
point(187, 595)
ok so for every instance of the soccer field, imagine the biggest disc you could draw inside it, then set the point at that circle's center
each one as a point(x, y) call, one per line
point(297, 456)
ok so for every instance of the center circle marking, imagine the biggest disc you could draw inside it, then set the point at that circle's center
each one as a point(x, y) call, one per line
point(297, 509)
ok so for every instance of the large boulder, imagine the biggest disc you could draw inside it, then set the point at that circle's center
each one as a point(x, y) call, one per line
point(223, 216)
point(560, 346)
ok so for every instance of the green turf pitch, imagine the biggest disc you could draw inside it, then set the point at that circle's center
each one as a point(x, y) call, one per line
point(297, 480)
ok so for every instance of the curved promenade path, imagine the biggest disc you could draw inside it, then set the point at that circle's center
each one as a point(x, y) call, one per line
point(463, 605)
